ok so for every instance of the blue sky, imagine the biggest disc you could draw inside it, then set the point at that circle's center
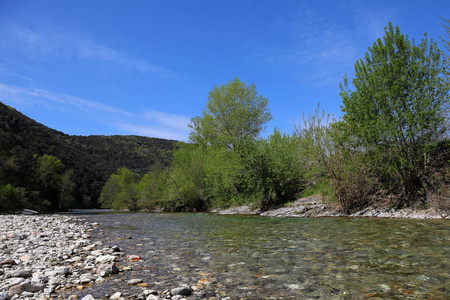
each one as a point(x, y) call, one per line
point(146, 67)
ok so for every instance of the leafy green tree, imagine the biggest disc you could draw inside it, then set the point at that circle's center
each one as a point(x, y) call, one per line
point(109, 191)
point(188, 189)
point(120, 191)
point(66, 190)
point(152, 187)
point(49, 176)
point(283, 168)
point(446, 42)
point(12, 199)
point(234, 113)
point(398, 108)
point(224, 172)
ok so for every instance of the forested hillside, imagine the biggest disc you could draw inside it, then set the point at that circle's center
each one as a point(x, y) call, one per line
point(40, 162)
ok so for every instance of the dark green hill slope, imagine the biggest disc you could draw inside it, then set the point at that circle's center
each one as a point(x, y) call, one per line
point(92, 158)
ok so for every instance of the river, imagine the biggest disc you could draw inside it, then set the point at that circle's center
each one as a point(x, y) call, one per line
point(252, 257)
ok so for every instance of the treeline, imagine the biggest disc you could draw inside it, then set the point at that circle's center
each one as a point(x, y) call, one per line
point(390, 148)
point(49, 170)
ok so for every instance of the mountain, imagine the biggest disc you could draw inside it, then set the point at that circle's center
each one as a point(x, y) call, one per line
point(91, 158)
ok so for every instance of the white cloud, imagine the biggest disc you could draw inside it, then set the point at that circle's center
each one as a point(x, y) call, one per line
point(169, 120)
point(48, 43)
point(320, 49)
point(152, 123)
point(153, 130)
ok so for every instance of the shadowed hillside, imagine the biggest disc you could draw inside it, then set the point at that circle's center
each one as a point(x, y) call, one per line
point(92, 159)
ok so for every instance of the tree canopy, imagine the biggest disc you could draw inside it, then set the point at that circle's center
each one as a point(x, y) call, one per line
point(398, 105)
point(234, 113)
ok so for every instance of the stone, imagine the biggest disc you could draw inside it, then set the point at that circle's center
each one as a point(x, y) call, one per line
point(25, 287)
point(183, 290)
point(133, 257)
point(85, 279)
point(22, 273)
point(62, 270)
point(116, 295)
point(25, 258)
point(88, 297)
point(152, 297)
point(150, 292)
point(14, 281)
point(134, 281)
point(107, 269)
point(100, 280)
point(105, 259)
point(8, 261)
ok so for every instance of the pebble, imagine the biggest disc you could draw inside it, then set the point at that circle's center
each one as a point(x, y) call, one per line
point(134, 281)
point(43, 255)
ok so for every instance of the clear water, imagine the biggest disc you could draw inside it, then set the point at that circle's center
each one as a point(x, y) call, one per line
point(249, 257)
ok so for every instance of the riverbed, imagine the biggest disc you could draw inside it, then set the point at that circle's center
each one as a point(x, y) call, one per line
point(251, 257)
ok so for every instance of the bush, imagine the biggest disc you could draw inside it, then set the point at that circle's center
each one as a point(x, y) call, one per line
point(334, 152)
point(12, 199)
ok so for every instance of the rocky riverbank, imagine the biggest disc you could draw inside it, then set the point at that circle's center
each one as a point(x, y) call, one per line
point(53, 257)
point(313, 207)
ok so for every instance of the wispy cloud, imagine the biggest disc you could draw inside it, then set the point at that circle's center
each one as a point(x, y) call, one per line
point(169, 120)
point(155, 131)
point(150, 123)
point(50, 43)
point(320, 50)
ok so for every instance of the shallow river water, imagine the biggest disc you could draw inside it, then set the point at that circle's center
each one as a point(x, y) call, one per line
point(252, 257)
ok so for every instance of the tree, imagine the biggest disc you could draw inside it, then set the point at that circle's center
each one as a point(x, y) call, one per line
point(49, 175)
point(234, 113)
point(152, 186)
point(334, 156)
point(446, 42)
point(277, 169)
point(187, 179)
point(120, 191)
point(12, 199)
point(66, 189)
point(398, 107)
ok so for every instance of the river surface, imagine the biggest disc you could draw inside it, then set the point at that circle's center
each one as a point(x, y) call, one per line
point(250, 257)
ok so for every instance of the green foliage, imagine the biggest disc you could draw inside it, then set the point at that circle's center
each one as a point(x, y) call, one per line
point(397, 108)
point(152, 188)
point(12, 199)
point(109, 192)
point(92, 159)
point(227, 162)
point(275, 169)
point(334, 156)
point(234, 113)
point(188, 190)
point(121, 191)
